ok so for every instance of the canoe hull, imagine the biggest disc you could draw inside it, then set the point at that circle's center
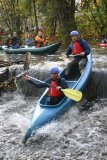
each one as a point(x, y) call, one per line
point(45, 113)
point(33, 50)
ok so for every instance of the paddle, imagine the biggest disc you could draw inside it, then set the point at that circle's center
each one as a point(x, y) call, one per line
point(21, 74)
point(64, 56)
point(70, 93)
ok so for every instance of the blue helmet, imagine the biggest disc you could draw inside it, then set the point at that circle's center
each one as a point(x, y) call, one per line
point(74, 33)
point(54, 70)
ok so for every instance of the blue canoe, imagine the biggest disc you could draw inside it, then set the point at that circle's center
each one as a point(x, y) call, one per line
point(45, 113)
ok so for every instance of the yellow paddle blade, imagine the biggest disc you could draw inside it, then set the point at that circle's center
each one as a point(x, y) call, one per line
point(72, 94)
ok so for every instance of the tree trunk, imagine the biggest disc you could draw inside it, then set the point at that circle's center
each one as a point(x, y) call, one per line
point(66, 12)
point(35, 13)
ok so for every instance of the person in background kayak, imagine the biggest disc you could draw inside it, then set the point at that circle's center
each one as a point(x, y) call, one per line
point(79, 48)
point(28, 41)
point(39, 40)
point(16, 43)
point(55, 80)
point(9, 41)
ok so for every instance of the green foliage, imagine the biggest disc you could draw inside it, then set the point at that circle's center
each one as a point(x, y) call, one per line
point(92, 21)
point(59, 17)
point(56, 17)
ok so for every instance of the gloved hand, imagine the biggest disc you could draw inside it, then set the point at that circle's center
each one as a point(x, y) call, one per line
point(58, 87)
point(26, 77)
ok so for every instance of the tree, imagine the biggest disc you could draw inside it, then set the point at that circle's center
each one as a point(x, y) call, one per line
point(95, 14)
point(59, 16)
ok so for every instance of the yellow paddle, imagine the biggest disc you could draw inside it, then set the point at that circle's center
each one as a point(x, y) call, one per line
point(72, 94)
point(63, 57)
point(68, 92)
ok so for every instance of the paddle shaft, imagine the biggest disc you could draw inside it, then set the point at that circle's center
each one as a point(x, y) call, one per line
point(21, 74)
point(42, 82)
point(72, 55)
point(75, 55)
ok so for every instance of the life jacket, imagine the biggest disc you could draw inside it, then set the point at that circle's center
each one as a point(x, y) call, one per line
point(53, 92)
point(39, 42)
point(77, 48)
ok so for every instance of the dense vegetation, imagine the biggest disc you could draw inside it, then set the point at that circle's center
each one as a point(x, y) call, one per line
point(56, 17)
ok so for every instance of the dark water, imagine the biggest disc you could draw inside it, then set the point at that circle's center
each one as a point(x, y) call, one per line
point(75, 136)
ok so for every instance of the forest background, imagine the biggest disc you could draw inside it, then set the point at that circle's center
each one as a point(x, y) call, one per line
point(57, 18)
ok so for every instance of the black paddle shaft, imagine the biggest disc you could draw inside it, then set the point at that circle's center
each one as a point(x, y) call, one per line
point(42, 82)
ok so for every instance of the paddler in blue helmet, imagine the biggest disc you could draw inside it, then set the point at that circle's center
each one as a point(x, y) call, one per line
point(79, 49)
point(55, 80)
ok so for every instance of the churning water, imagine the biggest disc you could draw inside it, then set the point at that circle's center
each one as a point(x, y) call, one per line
point(75, 136)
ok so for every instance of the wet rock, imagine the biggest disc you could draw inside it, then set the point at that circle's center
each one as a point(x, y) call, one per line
point(97, 86)
point(67, 141)
point(104, 153)
point(4, 74)
point(68, 132)
point(65, 147)
point(1, 157)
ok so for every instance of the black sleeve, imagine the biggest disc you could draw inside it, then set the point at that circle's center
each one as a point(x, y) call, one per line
point(63, 84)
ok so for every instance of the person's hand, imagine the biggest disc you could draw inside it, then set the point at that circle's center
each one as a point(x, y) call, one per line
point(58, 88)
point(26, 77)
point(82, 54)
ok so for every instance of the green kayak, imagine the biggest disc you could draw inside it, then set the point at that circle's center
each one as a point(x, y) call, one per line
point(33, 50)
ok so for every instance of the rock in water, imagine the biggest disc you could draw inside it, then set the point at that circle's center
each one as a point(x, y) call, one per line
point(4, 74)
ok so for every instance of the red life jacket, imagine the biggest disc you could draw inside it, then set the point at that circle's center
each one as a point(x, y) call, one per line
point(77, 49)
point(53, 92)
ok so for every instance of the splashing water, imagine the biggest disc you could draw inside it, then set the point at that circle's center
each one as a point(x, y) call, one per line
point(75, 136)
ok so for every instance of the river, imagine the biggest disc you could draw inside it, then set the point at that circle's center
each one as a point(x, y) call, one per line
point(75, 136)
